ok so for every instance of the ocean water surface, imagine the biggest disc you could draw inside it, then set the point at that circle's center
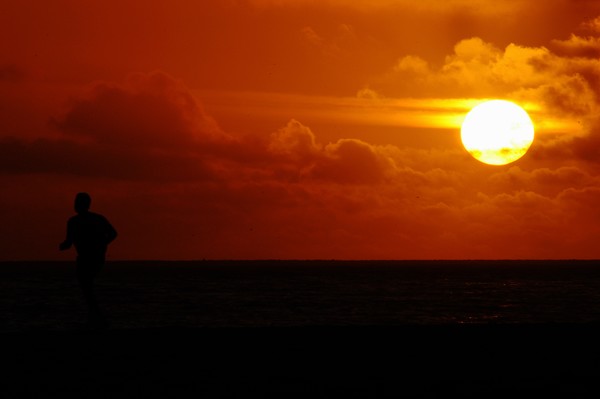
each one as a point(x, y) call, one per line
point(45, 295)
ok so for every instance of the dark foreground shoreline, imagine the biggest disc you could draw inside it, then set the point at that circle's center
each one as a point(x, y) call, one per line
point(483, 360)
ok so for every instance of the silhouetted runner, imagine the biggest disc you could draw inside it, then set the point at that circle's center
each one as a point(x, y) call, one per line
point(90, 233)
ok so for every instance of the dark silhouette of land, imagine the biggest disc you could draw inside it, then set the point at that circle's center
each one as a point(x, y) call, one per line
point(90, 233)
point(469, 361)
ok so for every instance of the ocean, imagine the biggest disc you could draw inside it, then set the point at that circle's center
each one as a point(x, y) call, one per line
point(44, 296)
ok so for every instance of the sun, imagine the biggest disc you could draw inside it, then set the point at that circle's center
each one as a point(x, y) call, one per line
point(497, 132)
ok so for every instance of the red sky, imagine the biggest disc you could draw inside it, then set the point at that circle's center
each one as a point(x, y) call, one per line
point(245, 129)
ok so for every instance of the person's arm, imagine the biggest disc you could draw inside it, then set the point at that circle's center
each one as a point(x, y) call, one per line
point(68, 242)
point(111, 233)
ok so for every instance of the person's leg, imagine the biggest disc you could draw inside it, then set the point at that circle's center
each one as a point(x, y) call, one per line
point(86, 272)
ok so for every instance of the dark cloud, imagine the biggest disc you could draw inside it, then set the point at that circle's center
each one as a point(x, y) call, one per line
point(153, 128)
point(149, 128)
point(151, 110)
point(347, 161)
point(295, 142)
point(353, 161)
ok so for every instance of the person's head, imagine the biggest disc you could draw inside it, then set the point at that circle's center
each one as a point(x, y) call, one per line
point(82, 202)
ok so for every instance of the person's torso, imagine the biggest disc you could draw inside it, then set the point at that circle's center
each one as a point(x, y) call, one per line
point(90, 232)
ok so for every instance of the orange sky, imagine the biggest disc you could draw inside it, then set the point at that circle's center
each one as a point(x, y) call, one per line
point(244, 129)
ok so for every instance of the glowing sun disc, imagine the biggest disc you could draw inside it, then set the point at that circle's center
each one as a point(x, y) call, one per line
point(497, 132)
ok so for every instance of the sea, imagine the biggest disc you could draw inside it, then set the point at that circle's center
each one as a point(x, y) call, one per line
point(44, 296)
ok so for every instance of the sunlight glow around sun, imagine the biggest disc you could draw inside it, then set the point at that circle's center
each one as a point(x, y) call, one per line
point(497, 132)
